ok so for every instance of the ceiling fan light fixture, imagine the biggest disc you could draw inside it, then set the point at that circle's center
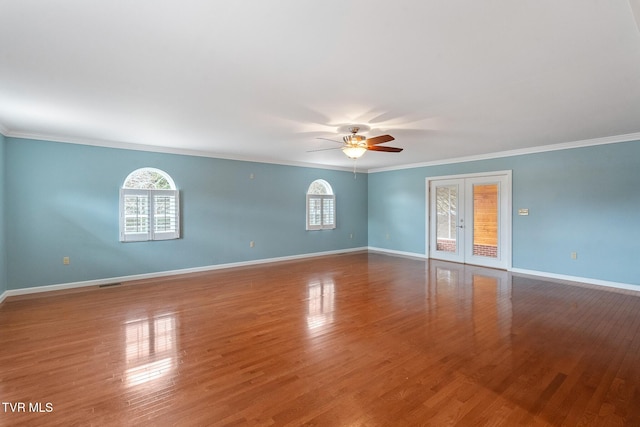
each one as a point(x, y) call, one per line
point(354, 152)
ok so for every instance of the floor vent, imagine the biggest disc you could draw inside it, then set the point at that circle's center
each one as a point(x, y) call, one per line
point(108, 285)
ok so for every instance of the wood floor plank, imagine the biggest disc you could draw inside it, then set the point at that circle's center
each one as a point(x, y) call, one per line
point(354, 339)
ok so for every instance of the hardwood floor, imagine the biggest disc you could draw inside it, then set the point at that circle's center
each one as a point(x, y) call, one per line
point(356, 339)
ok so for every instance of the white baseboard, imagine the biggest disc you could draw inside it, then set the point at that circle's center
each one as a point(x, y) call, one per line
point(106, 281)
point(577, 280)
point(97, 282)
point(562, 277)
point(399, 253)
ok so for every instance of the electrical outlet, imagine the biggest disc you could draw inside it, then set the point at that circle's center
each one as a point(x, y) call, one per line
point(351, 235)
point(252, 244)
point(66, 260)
point(574, 255)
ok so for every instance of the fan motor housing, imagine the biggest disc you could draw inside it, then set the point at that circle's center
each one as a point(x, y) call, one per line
point(354, 139)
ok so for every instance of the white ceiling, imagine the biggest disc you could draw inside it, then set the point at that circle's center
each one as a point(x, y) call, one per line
point(263, 79)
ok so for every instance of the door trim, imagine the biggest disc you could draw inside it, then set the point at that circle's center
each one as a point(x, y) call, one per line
point(507, 224)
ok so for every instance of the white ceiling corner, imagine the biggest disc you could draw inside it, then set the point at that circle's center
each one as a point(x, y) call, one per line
point(635, 8)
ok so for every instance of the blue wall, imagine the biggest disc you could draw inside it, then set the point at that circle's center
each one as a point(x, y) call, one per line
point(584, 200)
point(3, 241)
point(62, 200)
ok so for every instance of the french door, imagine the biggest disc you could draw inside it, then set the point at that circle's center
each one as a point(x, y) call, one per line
point(470, 219)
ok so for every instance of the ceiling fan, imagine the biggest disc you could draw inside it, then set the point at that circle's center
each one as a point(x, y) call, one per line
point(354, 145)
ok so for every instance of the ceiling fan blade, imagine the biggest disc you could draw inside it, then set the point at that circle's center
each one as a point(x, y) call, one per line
point(332, 140)
point(383, 148)
point(379, 139)
point(323, 149)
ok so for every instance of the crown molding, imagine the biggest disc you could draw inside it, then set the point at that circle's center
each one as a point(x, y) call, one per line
point(519, 152)
point(196, 153)
point(170, 150)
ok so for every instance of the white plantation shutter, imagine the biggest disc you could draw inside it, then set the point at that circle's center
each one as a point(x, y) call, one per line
point(165, 214)
point(321, 211)
point(134, 215)
point(149, 215)
point(328, 212)
point(314, 212)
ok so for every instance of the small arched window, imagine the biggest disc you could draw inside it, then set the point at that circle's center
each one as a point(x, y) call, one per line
point(149, 206)
point(321, 206)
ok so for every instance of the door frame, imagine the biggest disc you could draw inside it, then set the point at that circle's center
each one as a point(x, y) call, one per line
point(506, 220)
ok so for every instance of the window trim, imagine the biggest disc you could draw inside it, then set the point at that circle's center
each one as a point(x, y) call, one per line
point(152, 233)
point(321, 198)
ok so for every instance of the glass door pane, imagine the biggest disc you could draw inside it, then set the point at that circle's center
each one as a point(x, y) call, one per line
point(485, 220)
point(447, 218)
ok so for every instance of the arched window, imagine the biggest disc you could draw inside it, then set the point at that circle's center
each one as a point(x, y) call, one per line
point(149, 206)
point(321, 206)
